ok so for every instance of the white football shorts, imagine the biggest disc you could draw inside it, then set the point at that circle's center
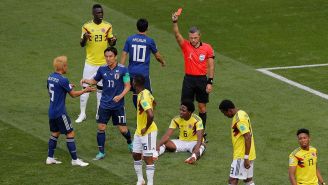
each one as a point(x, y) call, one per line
point(184, 146)
point(145, 144)
point(238, 170)
point(89, 72)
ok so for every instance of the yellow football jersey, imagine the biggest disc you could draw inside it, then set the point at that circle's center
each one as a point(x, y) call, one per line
point(187, 128)
point(306, 165)
point(144, 102)
point(96, 45)
point(241, 125)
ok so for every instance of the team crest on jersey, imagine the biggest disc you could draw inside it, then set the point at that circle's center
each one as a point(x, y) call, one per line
point(190, 126)
point(313, 154)
point(103, 30)
point(201, 57)
point(92, 30)
point(117, 76)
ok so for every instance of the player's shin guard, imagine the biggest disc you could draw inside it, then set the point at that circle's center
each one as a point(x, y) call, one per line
point(83, 102)
point(161, 149)
point(150, 170)
point(138, 169)
point(127, 136)
point(52, 146)
point(101, 138)
point(134, 99)
point(71, 147)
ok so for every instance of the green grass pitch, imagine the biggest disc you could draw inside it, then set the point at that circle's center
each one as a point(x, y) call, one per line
point(245, 34)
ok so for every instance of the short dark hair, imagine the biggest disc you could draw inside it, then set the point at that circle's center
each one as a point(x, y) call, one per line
point(142, 25)
point(194, 29)
point(96, 6)
point(111, 49)
point(303, 130)
point(190, 105)
point(139, 80)
point(225, 105)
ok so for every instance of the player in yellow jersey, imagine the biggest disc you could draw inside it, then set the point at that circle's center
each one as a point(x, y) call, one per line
point(190, 134)
point(95, 37)
point(303, 167)
point(144, 142)
point(243, 144)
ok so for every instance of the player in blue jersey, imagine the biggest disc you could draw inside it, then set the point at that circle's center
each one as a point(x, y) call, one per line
point(116, 83)
point(58, 86)
point(139, 47)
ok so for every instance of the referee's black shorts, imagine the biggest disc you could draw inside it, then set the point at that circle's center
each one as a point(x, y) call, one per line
point(194, 86)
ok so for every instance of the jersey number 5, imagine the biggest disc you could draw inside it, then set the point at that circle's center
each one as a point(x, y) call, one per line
point(51, 92)
point(139, 53)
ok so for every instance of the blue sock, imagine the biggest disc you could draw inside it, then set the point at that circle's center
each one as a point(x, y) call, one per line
point(71, 147)
point(52, 146)
point(101, 138)
point(134, 99)
point(127, 136)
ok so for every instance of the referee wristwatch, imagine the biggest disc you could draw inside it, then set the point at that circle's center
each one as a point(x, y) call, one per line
point(210, 81)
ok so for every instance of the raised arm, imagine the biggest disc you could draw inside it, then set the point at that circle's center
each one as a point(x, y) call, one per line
point(176, 32)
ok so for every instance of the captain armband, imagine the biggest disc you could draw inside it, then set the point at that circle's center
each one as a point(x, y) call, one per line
point(126, 78)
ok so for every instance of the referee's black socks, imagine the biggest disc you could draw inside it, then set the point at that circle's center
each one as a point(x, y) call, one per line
point(203, 116)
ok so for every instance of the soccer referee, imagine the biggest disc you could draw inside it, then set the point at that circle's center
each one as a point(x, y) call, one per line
point(199, 67)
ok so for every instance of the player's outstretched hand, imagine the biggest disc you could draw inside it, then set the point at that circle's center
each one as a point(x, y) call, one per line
point(89, 89)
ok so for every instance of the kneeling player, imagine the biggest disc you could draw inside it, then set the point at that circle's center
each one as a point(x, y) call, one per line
point(59, 121)
point(190, 137)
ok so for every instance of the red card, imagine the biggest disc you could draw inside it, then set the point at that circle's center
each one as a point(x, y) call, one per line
point(179, 12)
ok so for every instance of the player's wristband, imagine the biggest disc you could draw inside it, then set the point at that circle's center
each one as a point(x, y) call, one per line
point(210, 81)
point(246, 157)
point(175, 21)
point(323, 183)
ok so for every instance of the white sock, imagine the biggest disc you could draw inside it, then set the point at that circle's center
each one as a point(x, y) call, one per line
point(250, 183)
point(150, 170)
point(83, 102)
point(201, 150)
point(98, 99)
point(138, 169)
point(161, 150)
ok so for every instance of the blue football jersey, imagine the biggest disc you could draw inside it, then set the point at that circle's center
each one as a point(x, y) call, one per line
point(113, 85)
point(139, 47)
point(58, 86)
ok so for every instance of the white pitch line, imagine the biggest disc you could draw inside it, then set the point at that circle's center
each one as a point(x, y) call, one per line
point(295, 67)
point(293, 83)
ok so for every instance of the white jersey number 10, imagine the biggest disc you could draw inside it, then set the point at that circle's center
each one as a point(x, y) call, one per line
point(139, 53)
